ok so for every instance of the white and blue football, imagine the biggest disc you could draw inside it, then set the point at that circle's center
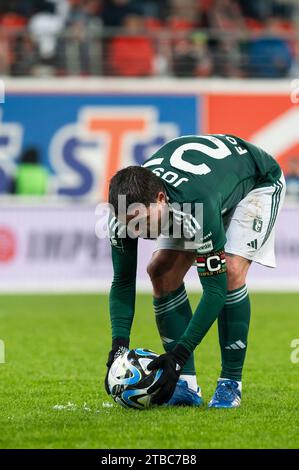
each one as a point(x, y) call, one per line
point(129, 379)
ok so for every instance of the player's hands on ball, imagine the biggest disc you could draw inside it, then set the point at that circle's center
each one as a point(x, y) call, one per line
point(119, 346)
point(167, 382)
point(171, 363)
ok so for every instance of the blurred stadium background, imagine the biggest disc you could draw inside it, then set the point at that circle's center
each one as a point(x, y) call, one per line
point(91, 86)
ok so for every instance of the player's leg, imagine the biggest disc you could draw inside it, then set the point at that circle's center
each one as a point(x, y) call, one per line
point(173, 313)
point(167, 270)
point(233, 327)
point(233, 322)
point(250, 237)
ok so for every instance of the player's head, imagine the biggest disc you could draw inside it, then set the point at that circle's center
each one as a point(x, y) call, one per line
point(137, 193)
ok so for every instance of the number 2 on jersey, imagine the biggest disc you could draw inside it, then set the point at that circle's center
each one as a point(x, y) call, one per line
point(220, 151)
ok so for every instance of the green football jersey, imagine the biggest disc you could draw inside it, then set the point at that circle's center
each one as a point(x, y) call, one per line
point(215, 170)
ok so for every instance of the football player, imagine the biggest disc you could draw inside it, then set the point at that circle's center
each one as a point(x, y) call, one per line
point(233, 192)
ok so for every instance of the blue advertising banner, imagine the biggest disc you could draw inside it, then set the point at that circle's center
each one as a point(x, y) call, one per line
point(84, 138)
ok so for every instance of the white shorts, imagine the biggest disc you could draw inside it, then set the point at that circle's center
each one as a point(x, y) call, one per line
point(250, 230)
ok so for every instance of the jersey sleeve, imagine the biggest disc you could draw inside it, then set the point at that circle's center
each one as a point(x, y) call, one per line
point(211, 267)
point(207, 311)
point(123, 288)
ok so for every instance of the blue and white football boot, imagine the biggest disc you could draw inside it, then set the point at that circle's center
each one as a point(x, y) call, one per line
point(227, 394)
point(185, 396)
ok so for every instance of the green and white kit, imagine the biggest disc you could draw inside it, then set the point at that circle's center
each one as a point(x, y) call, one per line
point(241, 189)
point(240, 186)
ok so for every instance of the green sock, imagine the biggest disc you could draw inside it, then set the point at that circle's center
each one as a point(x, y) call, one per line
point(173, 314)
point(233, 326)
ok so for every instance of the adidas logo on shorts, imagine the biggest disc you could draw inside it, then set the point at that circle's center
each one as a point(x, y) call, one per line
point(253, 244)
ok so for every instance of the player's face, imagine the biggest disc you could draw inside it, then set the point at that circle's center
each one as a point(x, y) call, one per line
point(147, 222)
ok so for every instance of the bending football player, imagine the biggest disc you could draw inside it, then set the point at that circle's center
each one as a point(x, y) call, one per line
point(212, 200)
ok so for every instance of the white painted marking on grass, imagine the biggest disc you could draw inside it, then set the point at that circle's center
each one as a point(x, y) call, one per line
point(69, 406)
point(107, 404)
point(85, 407)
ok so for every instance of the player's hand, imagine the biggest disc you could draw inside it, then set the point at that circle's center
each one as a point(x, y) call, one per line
point(119, 346)
point(171, 363)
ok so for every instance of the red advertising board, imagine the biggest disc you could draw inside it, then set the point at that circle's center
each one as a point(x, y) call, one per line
point(271, 121)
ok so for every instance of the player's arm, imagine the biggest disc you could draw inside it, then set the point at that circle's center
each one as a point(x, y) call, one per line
point(212, 272)
point(123, 288)
point(211, 267)
point(122, 294)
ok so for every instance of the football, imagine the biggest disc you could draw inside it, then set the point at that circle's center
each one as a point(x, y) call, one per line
point(129, 379)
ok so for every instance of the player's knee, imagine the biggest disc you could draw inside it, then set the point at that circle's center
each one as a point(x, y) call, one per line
point(156, 272)
point(163, 280)
point(236, 277)
point(155, 269)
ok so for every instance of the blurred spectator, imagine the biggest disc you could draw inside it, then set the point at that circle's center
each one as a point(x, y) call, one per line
point(11, 24)
point(225, 16)
point(261, 11)
point(226, 56)
point(85, 37)
point(184, 59)
point(294, 71)
point(79, 49)
point(154, 8)
point(292, 178)
point(204, 66)
point(25, 56)
point(184, 10)
point(115, 11)
point(191, 57)
point(31, 177)
point(257, 10)
point(44, 27)
point(131, 54)
point(270, 55)
point(5, 53)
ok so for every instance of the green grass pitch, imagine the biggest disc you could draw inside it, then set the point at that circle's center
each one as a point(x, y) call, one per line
point(51, 386)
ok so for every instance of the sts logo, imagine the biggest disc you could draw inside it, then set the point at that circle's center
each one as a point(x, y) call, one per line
point(85, 155)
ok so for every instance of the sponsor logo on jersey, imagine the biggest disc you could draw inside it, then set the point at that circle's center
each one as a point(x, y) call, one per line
point(205, 247)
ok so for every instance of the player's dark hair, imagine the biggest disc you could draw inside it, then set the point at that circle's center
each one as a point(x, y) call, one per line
point(138, 184)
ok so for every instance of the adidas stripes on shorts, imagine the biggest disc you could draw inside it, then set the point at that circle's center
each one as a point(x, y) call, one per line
point(251, 230)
